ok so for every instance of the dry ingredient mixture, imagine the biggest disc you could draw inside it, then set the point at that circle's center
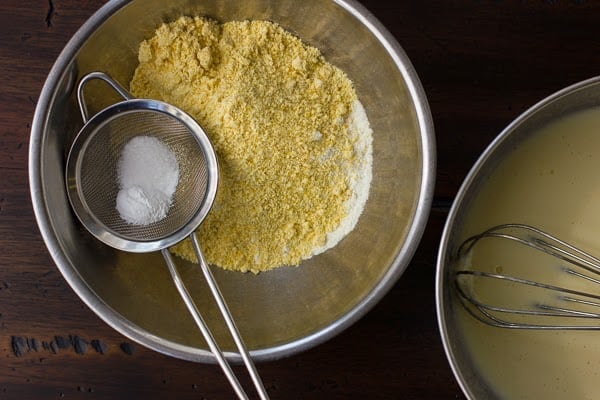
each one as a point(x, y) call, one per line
point(293, 141)
point(145, 198)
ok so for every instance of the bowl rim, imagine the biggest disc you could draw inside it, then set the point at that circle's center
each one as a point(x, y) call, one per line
point(476, 170)
point(141, 336)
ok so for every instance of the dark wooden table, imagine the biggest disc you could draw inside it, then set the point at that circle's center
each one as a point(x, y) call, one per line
point(482, 63)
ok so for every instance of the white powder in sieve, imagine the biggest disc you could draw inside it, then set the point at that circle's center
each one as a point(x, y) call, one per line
point(148, 175)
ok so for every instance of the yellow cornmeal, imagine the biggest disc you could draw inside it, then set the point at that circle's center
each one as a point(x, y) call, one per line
point(276, 113)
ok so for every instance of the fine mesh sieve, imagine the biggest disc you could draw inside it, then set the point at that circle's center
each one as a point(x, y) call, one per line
point(93, 184)
point(92, 170)
point(98, 184)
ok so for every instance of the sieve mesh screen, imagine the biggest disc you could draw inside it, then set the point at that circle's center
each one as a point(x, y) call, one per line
point(98, 180)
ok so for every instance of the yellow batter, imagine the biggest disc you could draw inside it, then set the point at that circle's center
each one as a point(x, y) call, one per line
point(550, 181)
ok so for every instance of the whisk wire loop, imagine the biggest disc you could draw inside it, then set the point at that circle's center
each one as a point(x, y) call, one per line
point(516, 317)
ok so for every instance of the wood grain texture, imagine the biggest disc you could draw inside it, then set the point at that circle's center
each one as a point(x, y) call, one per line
point(481, 63)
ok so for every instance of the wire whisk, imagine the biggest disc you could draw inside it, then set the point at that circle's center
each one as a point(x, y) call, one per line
point(524, 303)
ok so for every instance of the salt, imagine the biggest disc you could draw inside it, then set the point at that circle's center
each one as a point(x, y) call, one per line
point(148, 175)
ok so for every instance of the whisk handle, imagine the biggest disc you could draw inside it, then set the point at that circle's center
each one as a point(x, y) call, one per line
point(103, 77)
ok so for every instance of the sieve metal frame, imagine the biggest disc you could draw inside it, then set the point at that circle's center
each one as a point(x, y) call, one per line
point(82, 140)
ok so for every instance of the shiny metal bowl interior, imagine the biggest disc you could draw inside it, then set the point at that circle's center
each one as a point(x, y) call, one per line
point(283, 311)
point(580, 96)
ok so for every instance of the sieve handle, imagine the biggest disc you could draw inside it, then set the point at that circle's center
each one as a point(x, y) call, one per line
point(214, 347)
point(210, 340)
point(103, 77)
point(233, 330)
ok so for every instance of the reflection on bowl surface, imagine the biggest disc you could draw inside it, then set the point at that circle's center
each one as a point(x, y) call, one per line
point(283, 311)
point(542, 172)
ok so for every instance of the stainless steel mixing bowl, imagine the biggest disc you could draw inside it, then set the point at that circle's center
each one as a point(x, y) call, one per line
point(283, 311)
point(451, 316)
